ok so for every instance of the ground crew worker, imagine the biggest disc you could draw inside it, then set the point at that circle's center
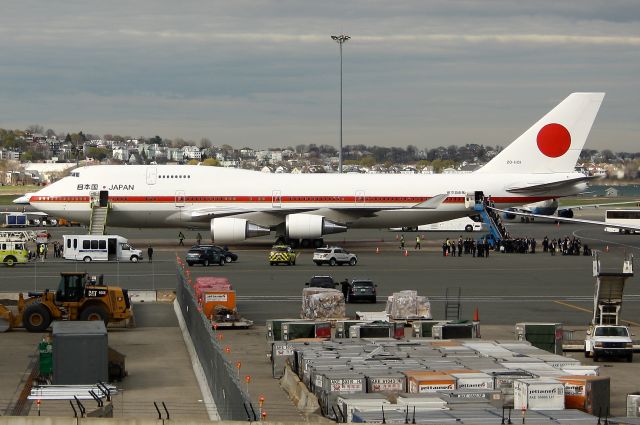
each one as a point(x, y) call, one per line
point(418, 242)
point(181, 239)
point(150, 253)
point(199, 238)
point(345, 288)
point(42, 251)
point(401, 241)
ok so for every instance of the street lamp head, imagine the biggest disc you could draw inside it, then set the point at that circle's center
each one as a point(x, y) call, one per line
point(340, 38)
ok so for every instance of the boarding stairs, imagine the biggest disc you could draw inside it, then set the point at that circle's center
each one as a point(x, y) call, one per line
point(98, 222)
point(608, 292)
point(491, 220)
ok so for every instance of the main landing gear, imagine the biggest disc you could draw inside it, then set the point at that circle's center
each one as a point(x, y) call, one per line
point(300, 243)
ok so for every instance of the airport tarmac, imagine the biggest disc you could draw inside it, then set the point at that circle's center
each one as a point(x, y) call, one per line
point(505, 288)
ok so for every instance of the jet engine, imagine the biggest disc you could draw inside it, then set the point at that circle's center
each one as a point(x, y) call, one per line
point(509, 216)
point(566, 213)
point(228, 230)
point(309, 226)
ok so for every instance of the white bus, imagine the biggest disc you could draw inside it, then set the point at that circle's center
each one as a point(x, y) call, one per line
point(89, 248)
point(464, 224)
point(630, 217)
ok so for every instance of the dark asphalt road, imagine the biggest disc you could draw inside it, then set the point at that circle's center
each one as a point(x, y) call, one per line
point(506, 288)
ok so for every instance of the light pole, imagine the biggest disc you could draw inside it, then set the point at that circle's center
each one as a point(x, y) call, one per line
point(340, 39)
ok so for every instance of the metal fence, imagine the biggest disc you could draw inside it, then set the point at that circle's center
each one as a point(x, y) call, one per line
point(232, 401)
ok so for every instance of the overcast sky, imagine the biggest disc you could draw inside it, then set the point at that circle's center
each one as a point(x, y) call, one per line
point(266, 73)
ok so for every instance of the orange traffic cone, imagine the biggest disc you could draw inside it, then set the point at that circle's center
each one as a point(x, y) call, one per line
point(606, 248)
point(397, 237)
point(406, 253)
point(476, 315)
point(377, 250)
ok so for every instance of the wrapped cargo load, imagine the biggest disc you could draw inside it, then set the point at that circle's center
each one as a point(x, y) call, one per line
point(408, 305)
point(322, 303)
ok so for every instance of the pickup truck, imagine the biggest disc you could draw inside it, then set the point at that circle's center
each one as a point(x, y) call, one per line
point(608, 341)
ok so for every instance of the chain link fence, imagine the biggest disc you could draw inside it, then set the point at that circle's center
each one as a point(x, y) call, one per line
point(232, 401)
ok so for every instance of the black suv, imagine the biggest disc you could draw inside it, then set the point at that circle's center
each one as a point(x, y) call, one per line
point(205, 256)
point(321, 282)
point(228, 255)
point(362, 290)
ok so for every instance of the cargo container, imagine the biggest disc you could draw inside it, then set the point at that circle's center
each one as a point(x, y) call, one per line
point(423, 328)
point(429, 382)
point(214, 300)
point(377, 330)
point(546, 336)
point(343, 327)
point(305, 329)
point(538, 394)
point(472, 380)
point(423, 401)
point(281, 353)
point(461, 330)
point(386, 381)
point(494, 397)
point(335, 384)
point(590, 394)
point(633, 405)
point(503, 381)
point(586, 370)
point(347, 403)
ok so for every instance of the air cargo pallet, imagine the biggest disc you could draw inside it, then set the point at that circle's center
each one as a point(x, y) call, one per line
point(234, 324)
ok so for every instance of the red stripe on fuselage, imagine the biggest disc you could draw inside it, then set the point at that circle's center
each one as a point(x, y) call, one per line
point(282, 199)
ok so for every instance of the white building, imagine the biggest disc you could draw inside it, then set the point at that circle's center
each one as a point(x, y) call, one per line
point(192, 152)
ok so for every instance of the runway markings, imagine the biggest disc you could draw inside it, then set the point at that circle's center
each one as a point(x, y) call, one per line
point(605, 241)
point(576, 307)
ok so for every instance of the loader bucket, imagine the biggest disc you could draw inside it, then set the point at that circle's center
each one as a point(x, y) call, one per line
point(6, 318)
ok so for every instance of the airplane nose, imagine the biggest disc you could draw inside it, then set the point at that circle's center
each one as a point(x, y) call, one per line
point(23, 200)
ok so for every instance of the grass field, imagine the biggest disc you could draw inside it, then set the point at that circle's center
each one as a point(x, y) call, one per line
point(18, 190)
point(7, 199)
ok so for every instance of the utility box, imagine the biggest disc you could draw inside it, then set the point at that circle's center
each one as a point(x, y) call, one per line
point(80, 353)
point(546, 336)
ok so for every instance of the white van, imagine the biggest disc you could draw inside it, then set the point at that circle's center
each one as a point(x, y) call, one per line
point(89, 248)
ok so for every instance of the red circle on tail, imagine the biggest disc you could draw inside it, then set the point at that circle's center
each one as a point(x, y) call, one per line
point(554, 140)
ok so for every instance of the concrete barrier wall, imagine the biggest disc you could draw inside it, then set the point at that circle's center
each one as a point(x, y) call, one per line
point(232, 401)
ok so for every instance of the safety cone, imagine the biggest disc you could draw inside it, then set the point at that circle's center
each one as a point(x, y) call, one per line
point(397, 237)
point(476, 315)
point(606, 248)
point(406, 253)
point(377, 250)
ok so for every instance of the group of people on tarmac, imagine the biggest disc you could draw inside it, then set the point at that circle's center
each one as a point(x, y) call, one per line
point(566, 246)
point(468, 246)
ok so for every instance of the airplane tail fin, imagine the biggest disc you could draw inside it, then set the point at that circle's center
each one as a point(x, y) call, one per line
point(553, 144)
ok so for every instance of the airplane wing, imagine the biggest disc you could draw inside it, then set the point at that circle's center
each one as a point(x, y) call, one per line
point(202, 213)
point(542, 187)
point(570, 220)
point(603, 204)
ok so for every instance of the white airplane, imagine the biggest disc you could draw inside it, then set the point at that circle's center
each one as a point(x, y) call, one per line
point(552, 210)
point(238, 204)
